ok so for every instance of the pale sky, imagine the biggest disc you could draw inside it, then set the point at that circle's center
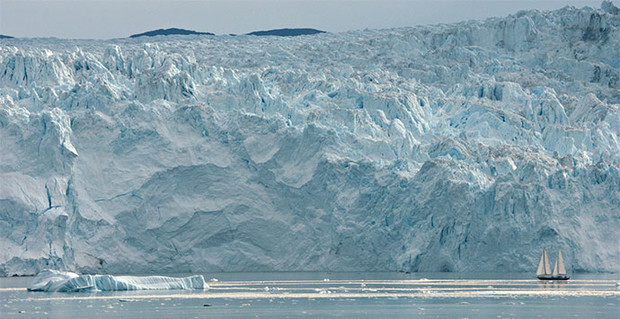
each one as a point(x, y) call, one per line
point(98, 19)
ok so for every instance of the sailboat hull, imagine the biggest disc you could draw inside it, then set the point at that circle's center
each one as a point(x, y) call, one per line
point(551, 277)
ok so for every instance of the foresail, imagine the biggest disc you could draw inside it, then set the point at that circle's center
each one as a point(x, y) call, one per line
point(541, 266)
point(555, 268)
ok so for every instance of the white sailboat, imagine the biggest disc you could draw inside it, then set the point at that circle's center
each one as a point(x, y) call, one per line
point(544, 268)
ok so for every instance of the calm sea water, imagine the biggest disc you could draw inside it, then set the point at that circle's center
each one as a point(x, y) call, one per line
point(343, 295)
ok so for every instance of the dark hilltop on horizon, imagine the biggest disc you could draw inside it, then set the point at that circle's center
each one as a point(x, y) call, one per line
point(286, 32)
point(5, 36)
point(292, 32)
point(171, 31)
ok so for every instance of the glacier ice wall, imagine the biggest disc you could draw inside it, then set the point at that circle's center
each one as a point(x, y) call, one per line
point(462, 147)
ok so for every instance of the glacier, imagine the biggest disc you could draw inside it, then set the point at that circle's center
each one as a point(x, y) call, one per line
point(60, 281)
point(452, 147)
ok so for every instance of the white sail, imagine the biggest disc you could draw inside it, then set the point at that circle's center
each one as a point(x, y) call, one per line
point(555, 268)
point(543, 267)
point(560, 263)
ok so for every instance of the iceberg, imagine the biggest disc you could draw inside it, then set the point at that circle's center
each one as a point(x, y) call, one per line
point(60, 281)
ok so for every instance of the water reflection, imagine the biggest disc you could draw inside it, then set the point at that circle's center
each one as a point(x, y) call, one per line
point(552, 284)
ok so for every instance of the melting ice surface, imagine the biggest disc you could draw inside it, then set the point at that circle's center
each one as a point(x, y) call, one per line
point(59, 281)
point(461, 147)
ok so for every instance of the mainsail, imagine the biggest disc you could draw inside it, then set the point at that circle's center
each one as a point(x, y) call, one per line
point(544, 268)
point(561, 268)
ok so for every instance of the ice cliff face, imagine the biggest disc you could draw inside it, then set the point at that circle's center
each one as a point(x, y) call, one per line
point(463, 147)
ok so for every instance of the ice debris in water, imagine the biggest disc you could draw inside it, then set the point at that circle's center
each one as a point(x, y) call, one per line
point(61, 281)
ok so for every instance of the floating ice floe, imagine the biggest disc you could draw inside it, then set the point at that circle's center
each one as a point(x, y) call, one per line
point(52, 281)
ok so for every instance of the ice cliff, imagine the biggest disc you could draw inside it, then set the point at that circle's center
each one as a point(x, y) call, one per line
point(461, 147)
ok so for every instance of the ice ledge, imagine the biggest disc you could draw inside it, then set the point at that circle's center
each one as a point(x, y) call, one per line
point(60, 281)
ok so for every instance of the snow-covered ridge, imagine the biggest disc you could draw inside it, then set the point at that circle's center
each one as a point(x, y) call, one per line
point(461, 147)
